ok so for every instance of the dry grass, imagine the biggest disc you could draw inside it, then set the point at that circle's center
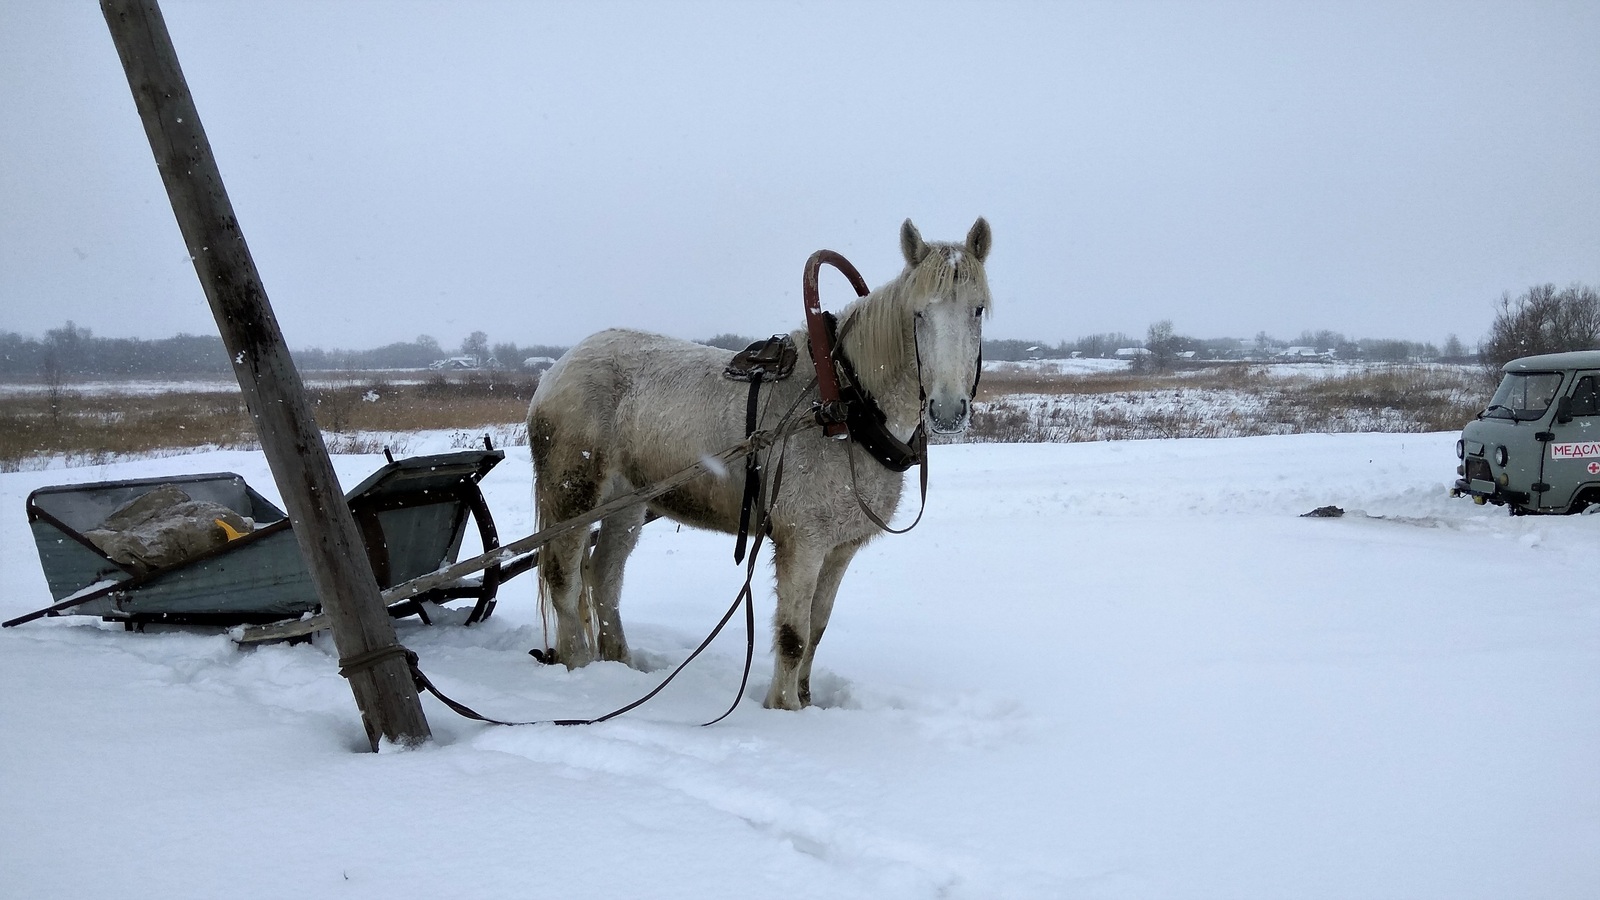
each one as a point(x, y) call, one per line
point(1014, 406)
point(1232, 401)
point(1006, 382)
point(93, 428)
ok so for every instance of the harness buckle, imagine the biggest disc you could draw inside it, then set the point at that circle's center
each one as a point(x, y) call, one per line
point(832, 412)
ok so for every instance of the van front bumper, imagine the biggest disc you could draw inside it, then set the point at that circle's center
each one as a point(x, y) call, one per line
point(1488, 492)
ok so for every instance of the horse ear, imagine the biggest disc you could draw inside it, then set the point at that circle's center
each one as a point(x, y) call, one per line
point(911, 244)
point(980, 239)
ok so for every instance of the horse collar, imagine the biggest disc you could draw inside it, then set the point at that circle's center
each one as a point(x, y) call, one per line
point(867, 424)
point(844, 408)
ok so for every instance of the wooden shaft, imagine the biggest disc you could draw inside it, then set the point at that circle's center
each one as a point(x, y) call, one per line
point(273, 392)
point(506, 554)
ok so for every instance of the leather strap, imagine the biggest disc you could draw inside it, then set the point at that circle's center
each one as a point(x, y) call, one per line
point(752, 468)
point(868, 426)
point(920, 440)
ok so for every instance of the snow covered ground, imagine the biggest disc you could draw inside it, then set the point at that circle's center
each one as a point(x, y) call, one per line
point(221, 384)
point(1174, 412)
point(1058, 366)
point(1121, 669)
point(1096, 366)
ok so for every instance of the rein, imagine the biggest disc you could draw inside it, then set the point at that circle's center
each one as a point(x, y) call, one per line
point(744, 598)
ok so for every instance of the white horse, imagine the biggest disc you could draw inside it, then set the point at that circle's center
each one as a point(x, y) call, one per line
point(624, 409)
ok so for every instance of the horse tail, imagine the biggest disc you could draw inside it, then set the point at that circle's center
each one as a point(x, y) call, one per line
point(542, 589)
point(588, 613)
point(570, 555)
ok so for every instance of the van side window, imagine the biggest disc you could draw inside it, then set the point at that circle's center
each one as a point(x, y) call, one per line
point(1585, 401)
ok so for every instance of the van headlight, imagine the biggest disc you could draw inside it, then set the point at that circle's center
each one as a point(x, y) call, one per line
point(1500, 456)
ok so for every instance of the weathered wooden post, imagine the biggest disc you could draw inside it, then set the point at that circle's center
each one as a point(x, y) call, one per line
point(370, 657)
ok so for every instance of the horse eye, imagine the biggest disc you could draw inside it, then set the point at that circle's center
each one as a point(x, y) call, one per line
point(977, 312)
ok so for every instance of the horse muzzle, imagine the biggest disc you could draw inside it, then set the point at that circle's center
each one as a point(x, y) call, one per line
point(949, 417)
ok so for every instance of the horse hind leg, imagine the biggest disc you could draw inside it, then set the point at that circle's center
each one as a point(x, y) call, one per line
point(566, 484)
point(561, 587)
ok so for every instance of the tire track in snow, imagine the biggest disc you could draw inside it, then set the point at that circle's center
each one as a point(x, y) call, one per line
point(732, 774)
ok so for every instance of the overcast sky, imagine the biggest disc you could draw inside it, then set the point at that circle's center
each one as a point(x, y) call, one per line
point(540, 171)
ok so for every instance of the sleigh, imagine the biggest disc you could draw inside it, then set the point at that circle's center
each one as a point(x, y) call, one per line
point(413, 515)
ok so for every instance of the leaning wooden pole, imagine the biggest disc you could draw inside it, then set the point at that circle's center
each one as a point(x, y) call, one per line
point(370, 657)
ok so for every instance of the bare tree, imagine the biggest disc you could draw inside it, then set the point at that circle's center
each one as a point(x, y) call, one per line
point(1163, 346)
point(1099, 345)
point(55, 379)
point(1543, 320)
point(476, 346)
point(72, 347)
point(729, 341)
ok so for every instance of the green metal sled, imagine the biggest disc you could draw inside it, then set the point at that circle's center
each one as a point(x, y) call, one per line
point(412, 514)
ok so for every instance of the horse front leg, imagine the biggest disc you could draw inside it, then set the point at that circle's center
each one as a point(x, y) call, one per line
point(798, 568)
point(833, 566)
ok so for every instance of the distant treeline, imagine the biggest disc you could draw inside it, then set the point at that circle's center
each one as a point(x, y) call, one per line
point(72, 352)
point(1161, 339)
point(1105, 346)
point(422, 352)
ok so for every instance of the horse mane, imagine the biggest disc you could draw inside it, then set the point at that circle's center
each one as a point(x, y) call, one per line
point(877, 327)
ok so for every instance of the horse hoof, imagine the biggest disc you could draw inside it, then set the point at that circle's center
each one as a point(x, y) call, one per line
point(547, 656)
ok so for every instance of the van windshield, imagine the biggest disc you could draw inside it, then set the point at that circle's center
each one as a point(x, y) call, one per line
point(1524, 396)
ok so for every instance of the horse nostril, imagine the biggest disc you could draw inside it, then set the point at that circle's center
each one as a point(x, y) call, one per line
point(950, 412)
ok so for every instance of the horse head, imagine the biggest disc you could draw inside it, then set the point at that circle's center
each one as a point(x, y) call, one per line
point(949, 296)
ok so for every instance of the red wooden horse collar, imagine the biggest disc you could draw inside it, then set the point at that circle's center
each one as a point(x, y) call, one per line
point(831, 410)
point(844, 408)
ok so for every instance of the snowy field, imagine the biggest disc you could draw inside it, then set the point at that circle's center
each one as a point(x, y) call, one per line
point(222, 384)
point(1094, 670)
point(1176, 412)
point(1318, 369)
